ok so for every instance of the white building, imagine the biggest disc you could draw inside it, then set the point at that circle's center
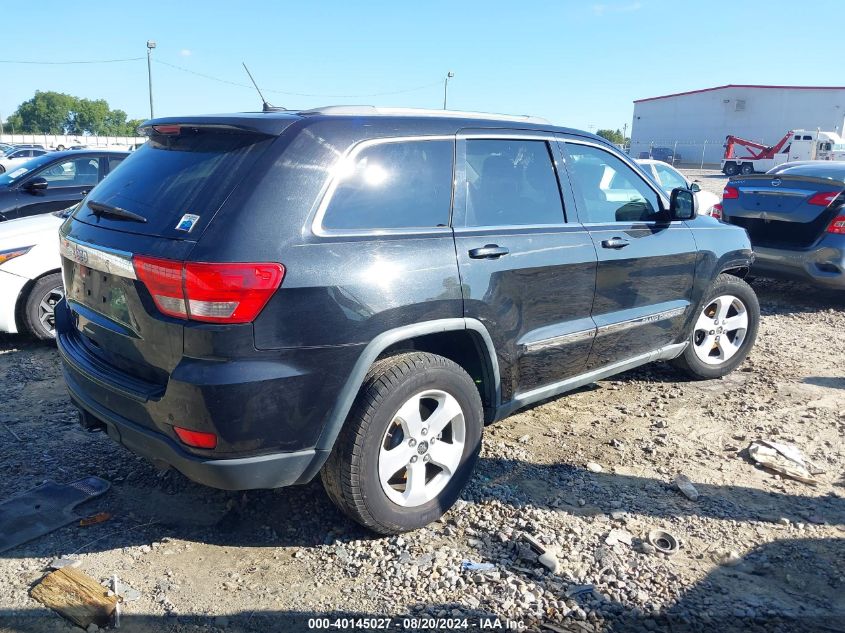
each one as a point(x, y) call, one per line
point(694, 124)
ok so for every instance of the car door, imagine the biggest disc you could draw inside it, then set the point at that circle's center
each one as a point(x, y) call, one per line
point(646, 263)
point(68, 181)
point(526, 273)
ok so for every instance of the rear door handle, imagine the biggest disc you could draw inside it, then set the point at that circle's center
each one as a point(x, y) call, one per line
point(615, 242)
point(488, 251)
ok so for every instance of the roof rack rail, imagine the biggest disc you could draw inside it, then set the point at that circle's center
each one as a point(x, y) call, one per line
point(368, 110)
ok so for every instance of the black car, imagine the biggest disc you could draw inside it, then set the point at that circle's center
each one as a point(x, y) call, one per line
point(254, 299)
point(53, 181)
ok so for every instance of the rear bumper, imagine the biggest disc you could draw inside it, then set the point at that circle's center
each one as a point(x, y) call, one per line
point(11, 287)
point(242, 473)
point(822, 265)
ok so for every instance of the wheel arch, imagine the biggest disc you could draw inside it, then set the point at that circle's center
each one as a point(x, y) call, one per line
point(23, 296)
point(454, 338)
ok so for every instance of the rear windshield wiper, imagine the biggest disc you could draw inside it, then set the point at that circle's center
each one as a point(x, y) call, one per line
point(100, 208)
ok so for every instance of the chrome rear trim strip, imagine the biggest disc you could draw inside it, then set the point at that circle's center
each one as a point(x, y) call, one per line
point(563, 339)
point(105, 260)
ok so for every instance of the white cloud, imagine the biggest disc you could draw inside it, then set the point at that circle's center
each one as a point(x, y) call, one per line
point(602, 9)
point(185, 52)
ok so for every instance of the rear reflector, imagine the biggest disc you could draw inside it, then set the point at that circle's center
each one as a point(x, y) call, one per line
point(823, 198)
point(215, 293)
point(730, 193)
point(837, 225)
point(197, 439)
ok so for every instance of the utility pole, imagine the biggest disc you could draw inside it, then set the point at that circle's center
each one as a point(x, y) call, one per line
point(449, 75)
point(150, 46)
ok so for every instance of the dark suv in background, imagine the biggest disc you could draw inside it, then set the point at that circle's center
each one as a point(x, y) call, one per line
point(254, 299)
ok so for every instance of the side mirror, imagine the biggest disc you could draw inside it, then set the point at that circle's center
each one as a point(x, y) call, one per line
point(682, 204)
point(694, 187)
point(36, 184)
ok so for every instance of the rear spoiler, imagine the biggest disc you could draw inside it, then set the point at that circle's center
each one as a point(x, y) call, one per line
point(270, 124)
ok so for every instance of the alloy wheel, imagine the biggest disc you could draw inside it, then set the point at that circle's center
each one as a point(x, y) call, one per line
point(720, 330)
point(421, 448)
point(47, 309)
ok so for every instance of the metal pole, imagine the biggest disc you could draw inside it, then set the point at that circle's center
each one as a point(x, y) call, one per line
point(704, 151)
point(674, 151)
point(449, 75)
point(150, 46)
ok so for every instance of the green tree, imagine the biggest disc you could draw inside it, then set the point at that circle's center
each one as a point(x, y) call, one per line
point(59, 113)
point(614, 136)
point(45, 113)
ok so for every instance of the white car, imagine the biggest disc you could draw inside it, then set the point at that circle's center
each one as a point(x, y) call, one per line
point(30, 274)
point(18, 157)
point(669, 178)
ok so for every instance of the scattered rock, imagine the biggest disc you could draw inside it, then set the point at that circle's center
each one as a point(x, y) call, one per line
point(685, 486)
point(593, 467)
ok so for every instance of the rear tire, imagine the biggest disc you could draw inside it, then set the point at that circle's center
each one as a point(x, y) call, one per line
point(420, 416)
point(724, 331)
point(730, 169)
point(38, 313)
point(746, 169)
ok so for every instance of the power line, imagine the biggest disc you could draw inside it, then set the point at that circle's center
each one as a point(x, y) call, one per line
point(90, 61)
point(297, 94)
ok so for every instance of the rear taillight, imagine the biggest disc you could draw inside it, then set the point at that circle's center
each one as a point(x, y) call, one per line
point(823, 198)
point(837, 225)
point(197, 439)
point(730, 193)
point(216, 293)
point(716, 211)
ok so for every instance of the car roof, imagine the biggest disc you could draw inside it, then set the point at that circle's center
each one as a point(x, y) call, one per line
point(432, 121)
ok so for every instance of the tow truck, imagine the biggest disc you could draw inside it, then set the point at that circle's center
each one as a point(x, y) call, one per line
point(795, 145)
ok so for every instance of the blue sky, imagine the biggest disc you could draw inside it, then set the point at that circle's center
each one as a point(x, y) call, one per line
point(580, 64)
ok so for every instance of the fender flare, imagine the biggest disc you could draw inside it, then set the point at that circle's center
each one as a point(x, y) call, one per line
point(371, 352)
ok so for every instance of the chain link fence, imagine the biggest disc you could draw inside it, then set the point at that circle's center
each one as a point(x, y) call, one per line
point(65, 141)
point(690, 154)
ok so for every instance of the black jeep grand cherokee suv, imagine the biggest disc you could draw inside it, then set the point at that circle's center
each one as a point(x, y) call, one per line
point(256, 298)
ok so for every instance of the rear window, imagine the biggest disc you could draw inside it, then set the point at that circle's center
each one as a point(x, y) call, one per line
point(172, 177)
point(836, 174)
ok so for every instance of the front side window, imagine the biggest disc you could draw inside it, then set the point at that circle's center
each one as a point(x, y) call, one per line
point(511, 182)
point(77, 172)
point(607, 189)
point(393, 185)
point(669, 178)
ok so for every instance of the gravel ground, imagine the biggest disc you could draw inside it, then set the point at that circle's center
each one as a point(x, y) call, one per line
point(588, 476)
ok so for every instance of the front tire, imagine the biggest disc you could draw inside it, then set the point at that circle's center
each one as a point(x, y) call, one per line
point(409, 444)
point(38, 315)
point(724, 331)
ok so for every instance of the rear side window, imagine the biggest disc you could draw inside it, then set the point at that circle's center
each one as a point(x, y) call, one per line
point(511, 182)
point(114, 162)
point(393, 185)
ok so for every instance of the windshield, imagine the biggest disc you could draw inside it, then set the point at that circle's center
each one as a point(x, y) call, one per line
point(21, 170)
